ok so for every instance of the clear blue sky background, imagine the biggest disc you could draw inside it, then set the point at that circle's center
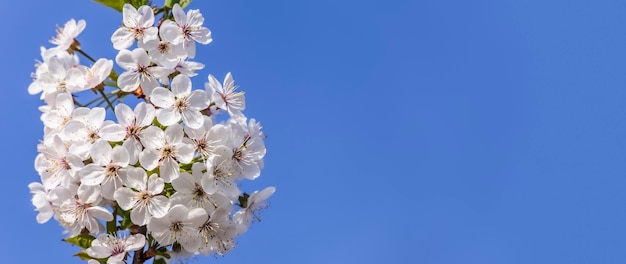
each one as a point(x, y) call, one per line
point(486, 131)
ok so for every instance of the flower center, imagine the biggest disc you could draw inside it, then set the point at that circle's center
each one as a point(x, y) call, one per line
point(93, 136)
point(176, 226)
point(133, 131)
point(138, 32)
point(168, 151)
point(163, 47)
point(112, 169)
point(180, 104)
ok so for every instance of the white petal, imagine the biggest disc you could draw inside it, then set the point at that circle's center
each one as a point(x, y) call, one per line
point(122, 38)
point(101, 152)
point(129, 14)
point(133, 147)
point(170, 32)
point(100, 212)
point(202, 35)
point(146, 16)
point(169, 169)
point(139, 215)
point(162, 97)
point(128, 81)
point(184, 152)
point(140, 56)
point(184, 183)
point(99, 251)
point(198, 99)
point(149, 159)
point(125, 198)
point(145, 114)
point(113, 132)
point(181, 86)
point(125, 60)
point(44, 215)
point(191, 243)
point(265, 193)
point(155, 184)
point(120, 156)
point(192, 118)
point(178, 213)
point(124, 114)
point(158, 206)
point(92, 175)
point(168, 116)
point(174, 134)
point(135, 242)
point(197, 216)
point(136, 178)
point(179, 15)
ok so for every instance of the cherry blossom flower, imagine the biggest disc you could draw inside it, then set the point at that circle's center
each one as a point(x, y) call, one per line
point(255, 203)
point(83, 211)
point(134, 123)
point(164, 53)
point(189, 191)
point(218, 232)
point(108, 168)
point(169, 163)
point(142, 196)
point(187, 29)
point(179, 225)
point(66, 36)
point(225, 97)
point(46, 201)
point(138, 24)
point(114, 247)
point(179, 103)
point(165, 150)
point(139, 71)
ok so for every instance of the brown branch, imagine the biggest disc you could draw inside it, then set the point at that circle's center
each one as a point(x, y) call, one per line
point(139, 257)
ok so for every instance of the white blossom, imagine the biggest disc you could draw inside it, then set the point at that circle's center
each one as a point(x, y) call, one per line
point(187, 29)
point(139, 71)
point(225, 96)
point(115, 247)
point(142, 196)
point(180, 224)
point(165, 149)
point(138, 24)
point(179, 103)
point(169, 162)
point(65, 36)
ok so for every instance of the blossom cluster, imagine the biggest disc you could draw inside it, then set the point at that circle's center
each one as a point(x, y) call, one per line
point(164, 175)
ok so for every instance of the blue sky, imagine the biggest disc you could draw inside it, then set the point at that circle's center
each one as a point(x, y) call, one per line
point(399, 131)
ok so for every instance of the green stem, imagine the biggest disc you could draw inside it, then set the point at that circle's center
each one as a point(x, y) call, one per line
point(111, 84)
point(112, 225)
point(76, 102)
point(93, 101)
point(106, 99)
point(85, 54)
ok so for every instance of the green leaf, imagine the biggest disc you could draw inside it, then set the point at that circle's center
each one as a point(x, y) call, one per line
point(182, 3)
point(83, 241)
point(159, 261)
point(243, 200)
point(119, 4)
point(138, 3)
point(84, 256)
point(168, 190)
point(125, 223)
point(115, 4)
point(111, 225)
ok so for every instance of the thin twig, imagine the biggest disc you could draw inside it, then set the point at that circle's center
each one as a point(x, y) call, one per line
point(85, 54)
